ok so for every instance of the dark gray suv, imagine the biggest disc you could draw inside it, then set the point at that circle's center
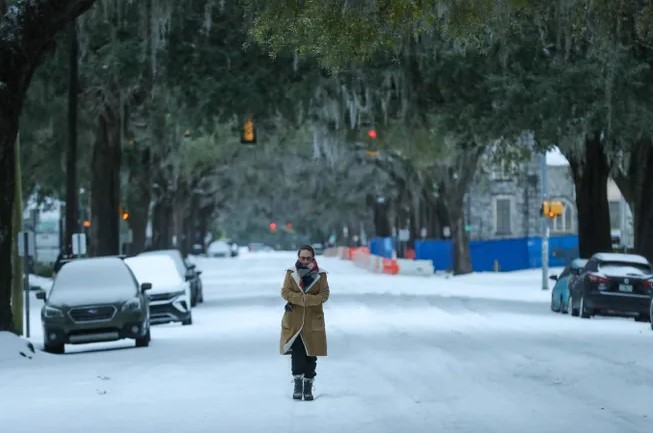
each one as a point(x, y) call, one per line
point(93, 300)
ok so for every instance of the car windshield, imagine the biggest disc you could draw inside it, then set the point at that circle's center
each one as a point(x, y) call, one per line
point(93, 280)
point(175, 255)
point(157, 269)
point(624, 269)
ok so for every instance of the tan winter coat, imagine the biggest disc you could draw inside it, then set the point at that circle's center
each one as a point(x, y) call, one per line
point(307, 315)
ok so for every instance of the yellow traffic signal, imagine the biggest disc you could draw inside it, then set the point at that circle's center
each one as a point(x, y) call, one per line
point(552, 209)
point(249, 133)
point(556, 208)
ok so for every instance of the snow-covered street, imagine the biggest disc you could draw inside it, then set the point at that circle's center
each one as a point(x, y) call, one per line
point(481, 353)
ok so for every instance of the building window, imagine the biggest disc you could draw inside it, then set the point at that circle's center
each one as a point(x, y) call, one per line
point(564, 222)
point(503, 215)
point(505, 170)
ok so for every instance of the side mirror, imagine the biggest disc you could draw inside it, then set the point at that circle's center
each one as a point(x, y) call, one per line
point(191, 266)
point(553, 277)
point(198, 273)
point(40, 294)
point(146, 286)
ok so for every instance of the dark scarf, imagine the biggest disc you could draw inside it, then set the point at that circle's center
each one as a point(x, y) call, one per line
point(307, 274)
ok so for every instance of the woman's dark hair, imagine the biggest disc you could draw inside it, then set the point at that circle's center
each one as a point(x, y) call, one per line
point(306, 248)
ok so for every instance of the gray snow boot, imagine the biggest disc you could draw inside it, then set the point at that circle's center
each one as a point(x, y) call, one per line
point(308, 389)
point(299, 387)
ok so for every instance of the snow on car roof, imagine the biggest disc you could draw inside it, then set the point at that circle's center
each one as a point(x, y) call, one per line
point(616, 257)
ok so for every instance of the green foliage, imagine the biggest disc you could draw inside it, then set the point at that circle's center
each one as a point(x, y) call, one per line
point(339, 32)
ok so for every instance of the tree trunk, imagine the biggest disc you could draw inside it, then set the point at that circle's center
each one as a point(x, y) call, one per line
point(453, 184)
point(105, 185)
point(591, 182)
point(161, 224)
point(8, 131)
point(139, 198)
point(637, 189)
point(26, 38)
point(381, 220)
point(190, 225)
point(17, 262)
point(203, 226)
point(462, 257)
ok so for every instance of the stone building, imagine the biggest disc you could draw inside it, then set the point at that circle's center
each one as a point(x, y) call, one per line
point(505, 202)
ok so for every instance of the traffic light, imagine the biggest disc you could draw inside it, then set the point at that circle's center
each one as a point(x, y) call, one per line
point(249, 132)
point(552, 209)
point(288, 227)
point(87, 224)
point(124, 214)
point(273, 227)
point(372, 148)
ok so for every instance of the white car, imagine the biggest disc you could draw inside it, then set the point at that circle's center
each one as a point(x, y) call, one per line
point(219, 249)
point(170, 296)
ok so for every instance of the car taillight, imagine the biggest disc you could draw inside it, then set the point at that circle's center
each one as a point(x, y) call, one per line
point(598, 278)
point(647, 284)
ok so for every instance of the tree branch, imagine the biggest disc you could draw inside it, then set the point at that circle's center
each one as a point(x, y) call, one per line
point(27, 30)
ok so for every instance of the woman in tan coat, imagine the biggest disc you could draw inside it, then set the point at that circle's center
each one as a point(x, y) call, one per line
point(303, 334)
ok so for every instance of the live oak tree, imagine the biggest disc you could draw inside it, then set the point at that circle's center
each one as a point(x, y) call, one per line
point(27, 31)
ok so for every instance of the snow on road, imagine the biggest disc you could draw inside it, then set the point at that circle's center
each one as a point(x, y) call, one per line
point(479, 353)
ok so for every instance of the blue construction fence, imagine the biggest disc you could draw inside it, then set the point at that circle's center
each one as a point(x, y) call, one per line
point(504, 254)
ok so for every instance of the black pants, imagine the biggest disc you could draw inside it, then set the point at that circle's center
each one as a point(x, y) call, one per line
point(302, 363)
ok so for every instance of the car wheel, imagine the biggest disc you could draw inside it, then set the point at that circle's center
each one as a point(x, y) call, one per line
point(570, 307)
point(584, 314)
point(188, 321)
point(54, 348)
point(642, 318)
point(144, 341)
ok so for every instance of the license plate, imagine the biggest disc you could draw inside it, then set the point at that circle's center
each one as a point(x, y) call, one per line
point(625, 288)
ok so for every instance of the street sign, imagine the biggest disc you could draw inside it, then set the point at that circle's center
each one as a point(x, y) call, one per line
point(404, 235)
point(31, 244)
point(79, 244)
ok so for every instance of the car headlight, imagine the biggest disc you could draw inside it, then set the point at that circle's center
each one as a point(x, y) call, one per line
point(134, 304)
point(51, 312)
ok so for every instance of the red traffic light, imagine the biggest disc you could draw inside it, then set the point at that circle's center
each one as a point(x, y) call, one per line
point(273, 227)
point(372, 133)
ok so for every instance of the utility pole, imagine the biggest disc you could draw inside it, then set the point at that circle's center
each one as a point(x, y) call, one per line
point(545, 227)
point(72, 211)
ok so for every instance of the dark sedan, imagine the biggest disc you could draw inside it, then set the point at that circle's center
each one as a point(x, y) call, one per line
point(613, 284)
